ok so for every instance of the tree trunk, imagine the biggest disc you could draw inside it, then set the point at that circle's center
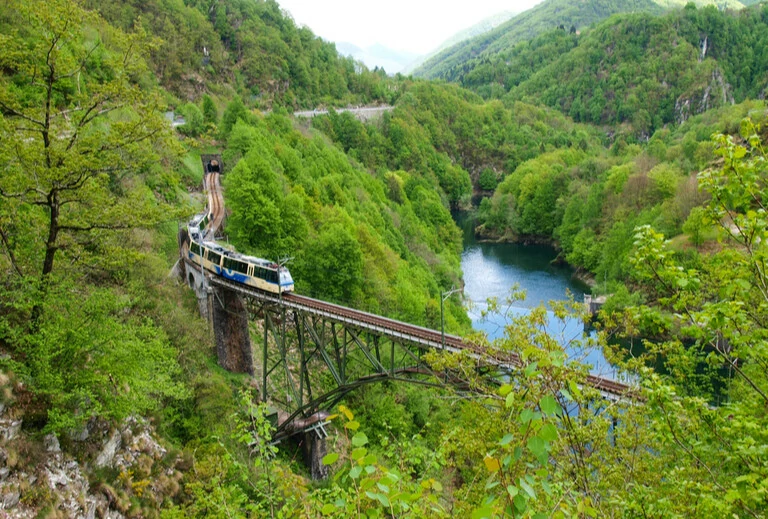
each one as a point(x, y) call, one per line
point(53, 232)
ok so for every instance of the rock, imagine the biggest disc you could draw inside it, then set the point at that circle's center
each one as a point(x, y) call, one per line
point(107, 455)
point(4, 473)
point(11, 499)
point(51, 443)
point(9, 429)
point(79, 436)
point(90, 513)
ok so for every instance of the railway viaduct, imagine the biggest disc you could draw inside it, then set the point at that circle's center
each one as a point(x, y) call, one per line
point(307, 344)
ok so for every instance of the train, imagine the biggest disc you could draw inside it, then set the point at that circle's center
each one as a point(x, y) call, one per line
point(248, 270)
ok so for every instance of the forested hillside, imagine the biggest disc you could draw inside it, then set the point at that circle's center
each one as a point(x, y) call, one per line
point(111, 401)
point(248, 45)
point(453, 62)
point(443, 132)
point(639, 70)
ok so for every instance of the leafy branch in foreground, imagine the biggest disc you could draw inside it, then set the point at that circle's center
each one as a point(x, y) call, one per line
point(76, 126)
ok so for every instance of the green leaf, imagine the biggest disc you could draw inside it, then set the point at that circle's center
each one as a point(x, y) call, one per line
point(528, 489)
point(548, 432)
point(330, 459)
point(359, 439)
point(328, 508)
point(526, 416)
point(549, 405)
point(506, 439)
point(531, 368)
point(355, 472)
point(539, 448)
point(509, 400)
point(352, 426)
point(520, 503)
point(358, 453)
point(505, 389)
point(482, 513)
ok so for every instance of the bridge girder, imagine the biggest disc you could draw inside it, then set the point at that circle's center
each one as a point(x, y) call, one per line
point(301, 352)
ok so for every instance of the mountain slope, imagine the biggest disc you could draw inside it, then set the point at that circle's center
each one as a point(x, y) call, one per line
point(543, 17)
point(548, 15)
point(249, 45)
point(478, 29)
point(650, 71)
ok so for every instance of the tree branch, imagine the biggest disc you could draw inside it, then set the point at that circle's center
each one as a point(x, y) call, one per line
point(9, 251)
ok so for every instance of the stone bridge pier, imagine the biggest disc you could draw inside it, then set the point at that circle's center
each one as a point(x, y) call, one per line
point(230, 330)
point(226, 313)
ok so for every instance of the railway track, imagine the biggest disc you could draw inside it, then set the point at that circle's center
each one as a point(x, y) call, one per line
point(212, 183)
point(416, 335)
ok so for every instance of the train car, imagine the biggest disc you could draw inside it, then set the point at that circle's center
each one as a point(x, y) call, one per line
point(248, 270)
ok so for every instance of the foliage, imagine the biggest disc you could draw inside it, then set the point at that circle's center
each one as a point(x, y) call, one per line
point(717, 307)
point(85, 123)
point(639, 69)
point(194, 121)
point(295, 196)
point(590, 202)
point(253, 46)
point(369, 488)
point(450, 137)
point(456, 61)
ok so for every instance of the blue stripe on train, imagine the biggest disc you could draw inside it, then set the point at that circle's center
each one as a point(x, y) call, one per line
point(234, 276)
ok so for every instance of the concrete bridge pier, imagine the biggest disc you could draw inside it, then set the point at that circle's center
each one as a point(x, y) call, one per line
point(195, 280)
point(230, 330)
point(314, 448)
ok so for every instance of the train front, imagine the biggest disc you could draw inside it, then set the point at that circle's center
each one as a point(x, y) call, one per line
point(286, 281)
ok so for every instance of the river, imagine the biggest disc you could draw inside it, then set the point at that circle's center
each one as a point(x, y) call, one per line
point(492, 269)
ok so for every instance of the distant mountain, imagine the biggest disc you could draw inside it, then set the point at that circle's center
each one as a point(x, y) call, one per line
point(479, 28)
point(634, 70)
point(548, 15)
point(378, 55)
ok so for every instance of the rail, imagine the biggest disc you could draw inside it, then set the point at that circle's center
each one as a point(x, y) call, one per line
point(418, 336)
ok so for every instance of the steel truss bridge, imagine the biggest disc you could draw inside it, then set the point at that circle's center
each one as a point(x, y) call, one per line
point(309, 346)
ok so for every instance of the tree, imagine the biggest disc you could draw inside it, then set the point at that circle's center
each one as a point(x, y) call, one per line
point(333, 264)
point(75, 123)
point(719, 307)
point(695, 225)
point(194, 122)
point(210, 112)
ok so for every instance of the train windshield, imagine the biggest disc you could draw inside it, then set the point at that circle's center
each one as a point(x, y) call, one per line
point(285, 277)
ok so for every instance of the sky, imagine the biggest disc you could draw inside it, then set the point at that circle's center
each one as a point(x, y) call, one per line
point(416, 26)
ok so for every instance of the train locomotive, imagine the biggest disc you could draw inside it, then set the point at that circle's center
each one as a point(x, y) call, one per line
point(248, 270)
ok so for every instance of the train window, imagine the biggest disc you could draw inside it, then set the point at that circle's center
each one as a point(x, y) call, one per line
point(213, 257)
point(233, 264)
point(195, 248)
point(261, 273)
point(272, 276)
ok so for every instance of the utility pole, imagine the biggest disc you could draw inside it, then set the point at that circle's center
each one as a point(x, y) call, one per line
point(443, 297)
